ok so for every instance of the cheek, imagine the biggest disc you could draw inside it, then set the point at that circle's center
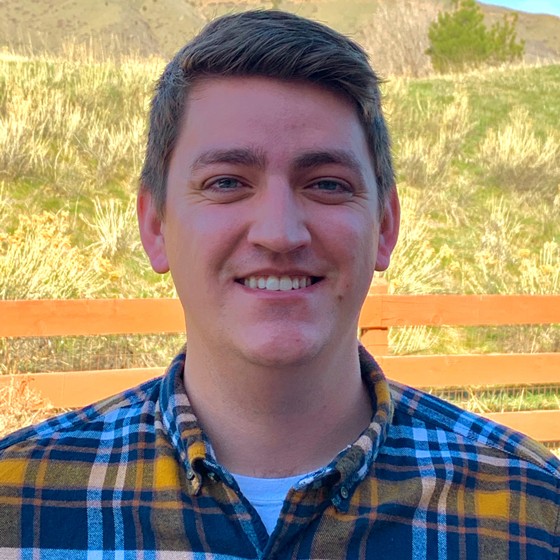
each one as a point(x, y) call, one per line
point(212, 238)
point(365, 257)
point(359, 241)
point(353, 245)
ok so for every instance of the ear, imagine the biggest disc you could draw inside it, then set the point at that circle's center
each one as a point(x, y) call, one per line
point(388, 230)
point(152, 231)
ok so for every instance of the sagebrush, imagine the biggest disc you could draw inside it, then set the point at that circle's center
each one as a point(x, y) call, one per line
point(477, 164)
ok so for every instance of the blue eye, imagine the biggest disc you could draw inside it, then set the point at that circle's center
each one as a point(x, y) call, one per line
point(331, 186)
point(226, 183)
point(225, 189)
point(330, 191)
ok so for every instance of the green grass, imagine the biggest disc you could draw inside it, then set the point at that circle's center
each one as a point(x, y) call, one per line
point(503, 399)
point(161, 26)
point(72, 133)
point(84, 123)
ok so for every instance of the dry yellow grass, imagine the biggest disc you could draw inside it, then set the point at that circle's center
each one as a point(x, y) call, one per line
point(397, 37)
point(114, 228)
point(517, 158)
point(39, 260)
point(71, 139)
point(74, 123)
point(21, 406)
point(424, 153)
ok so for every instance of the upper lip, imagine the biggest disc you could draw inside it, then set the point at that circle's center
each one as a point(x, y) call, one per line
point(270, 272)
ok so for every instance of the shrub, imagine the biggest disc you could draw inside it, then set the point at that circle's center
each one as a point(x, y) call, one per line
point(114, 228)
point(397, 37)
point(38, 260)
point(459, 39)
point(416, 267)
point(75, 124)
point(516, 158)
point(428, 137)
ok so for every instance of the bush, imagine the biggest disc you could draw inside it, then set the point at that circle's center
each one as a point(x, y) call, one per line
point(38, 260)
point(396, 38)
point(514, 157)
point(460, 40)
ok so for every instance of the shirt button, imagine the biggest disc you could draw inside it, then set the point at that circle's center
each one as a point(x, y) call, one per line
point(344, 492)
point(212, 476)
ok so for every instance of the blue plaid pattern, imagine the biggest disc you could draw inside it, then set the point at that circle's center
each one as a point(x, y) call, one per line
point(132, 478)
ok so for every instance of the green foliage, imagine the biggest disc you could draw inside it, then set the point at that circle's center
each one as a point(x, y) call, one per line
point(459, 39)
point(477, 162)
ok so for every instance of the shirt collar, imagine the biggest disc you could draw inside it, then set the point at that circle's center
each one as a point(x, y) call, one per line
point(343, 474)
point(354, 463)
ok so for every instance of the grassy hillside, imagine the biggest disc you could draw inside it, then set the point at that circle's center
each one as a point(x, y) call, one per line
point(541, 32)
point(477, 160)
point(161, 26)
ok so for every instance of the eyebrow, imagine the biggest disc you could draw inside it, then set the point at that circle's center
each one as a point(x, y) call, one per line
point(309, 160)
point(237, 156)
point(255, 158)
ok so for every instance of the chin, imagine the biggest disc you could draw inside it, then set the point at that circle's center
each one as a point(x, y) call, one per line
point(283, 352)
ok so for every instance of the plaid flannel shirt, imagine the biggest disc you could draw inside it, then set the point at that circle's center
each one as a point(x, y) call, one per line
point(131, 478)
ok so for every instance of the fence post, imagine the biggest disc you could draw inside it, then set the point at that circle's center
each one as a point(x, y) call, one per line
point(376, 340)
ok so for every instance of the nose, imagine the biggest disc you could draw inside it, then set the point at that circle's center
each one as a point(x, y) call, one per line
point(279, 222)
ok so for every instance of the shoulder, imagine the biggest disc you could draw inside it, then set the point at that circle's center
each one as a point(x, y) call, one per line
point(84, 429)
point(437, 427)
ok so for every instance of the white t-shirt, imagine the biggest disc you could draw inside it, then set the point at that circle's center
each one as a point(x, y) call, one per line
point(266, 495)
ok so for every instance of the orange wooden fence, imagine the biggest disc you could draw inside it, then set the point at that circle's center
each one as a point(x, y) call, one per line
point(42, 318)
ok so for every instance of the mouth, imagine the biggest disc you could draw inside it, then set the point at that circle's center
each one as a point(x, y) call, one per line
point(282, 283)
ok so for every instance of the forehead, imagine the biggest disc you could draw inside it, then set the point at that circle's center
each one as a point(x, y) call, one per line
point(270, 116)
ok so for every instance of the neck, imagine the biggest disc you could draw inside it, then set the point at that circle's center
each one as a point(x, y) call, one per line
point(276, 422)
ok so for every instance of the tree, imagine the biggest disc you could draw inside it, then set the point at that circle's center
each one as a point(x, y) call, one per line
point(459, 39)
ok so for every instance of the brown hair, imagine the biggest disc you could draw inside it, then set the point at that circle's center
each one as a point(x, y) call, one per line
point(274, 44)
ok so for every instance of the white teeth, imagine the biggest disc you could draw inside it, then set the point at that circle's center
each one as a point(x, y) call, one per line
point(277, 283)
point(285, 283)
point(273, 283)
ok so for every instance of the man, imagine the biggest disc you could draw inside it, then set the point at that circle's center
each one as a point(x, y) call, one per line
point(268, 192)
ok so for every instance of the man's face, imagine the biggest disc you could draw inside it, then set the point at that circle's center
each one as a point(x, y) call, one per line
point(272, 228)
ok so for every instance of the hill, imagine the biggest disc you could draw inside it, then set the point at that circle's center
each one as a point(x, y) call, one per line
point(476, 156)
point(541, 32)
point(161, 26)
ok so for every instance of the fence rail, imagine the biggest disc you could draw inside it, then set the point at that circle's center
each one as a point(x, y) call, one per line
point(46, 318)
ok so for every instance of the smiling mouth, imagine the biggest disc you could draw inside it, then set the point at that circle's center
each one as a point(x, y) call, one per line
point(278, 283)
